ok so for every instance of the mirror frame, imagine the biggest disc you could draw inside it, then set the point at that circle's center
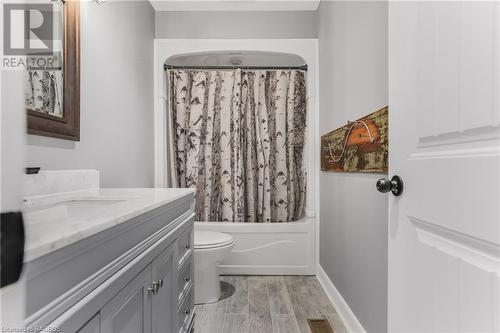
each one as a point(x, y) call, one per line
point(67, 127)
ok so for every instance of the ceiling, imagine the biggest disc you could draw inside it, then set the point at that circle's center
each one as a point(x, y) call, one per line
point(234, 5)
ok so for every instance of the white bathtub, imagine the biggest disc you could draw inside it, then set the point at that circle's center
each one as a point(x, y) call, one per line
point(268, 248)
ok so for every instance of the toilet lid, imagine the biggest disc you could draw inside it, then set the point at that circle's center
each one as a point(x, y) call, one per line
point(211, 239)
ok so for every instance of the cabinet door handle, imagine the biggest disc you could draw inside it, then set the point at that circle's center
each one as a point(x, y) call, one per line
point(187, 246)
point(187, 278)
point(188, 311)
point(151, 291)
point(156, 286)
point(160, 283)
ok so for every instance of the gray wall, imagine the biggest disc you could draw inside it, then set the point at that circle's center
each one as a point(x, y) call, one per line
point(353, 83)
point(116, 98)
point(272, 24)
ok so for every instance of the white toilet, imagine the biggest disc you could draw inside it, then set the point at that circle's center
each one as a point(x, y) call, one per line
point(210, 248)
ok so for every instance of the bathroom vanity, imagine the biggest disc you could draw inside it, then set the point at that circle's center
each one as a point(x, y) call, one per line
point(110, 260)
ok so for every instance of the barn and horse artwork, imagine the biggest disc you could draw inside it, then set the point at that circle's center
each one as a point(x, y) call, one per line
point(360, 146)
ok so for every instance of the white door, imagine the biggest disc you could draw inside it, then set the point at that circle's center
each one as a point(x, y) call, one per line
point(12, 142)
point(444, 97)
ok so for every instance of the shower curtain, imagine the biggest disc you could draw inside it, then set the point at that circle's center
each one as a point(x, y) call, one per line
point(238, 139)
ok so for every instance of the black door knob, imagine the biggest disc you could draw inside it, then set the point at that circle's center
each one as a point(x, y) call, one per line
point(394, 185)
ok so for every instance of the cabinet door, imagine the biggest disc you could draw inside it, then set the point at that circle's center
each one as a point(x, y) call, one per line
point(130, 310)
point(92, 326)
point(165, 300)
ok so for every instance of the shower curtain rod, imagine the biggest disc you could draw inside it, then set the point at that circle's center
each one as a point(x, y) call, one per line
point(303, 67)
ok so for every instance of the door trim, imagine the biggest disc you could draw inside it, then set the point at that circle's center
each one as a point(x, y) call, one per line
point(477, 252)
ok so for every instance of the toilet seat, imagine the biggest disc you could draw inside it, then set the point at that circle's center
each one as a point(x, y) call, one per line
point(211, 239)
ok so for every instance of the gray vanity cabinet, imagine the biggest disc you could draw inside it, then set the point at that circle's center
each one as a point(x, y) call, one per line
point(146, 289)
point(130, 309)
point(149, 303)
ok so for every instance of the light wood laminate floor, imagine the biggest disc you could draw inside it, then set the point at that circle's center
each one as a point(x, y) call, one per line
point(267, 304)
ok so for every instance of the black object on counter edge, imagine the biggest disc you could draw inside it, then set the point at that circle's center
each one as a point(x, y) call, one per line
point(12, 242)
point(32, 170)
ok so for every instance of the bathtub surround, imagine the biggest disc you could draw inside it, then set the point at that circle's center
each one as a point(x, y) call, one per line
point(268, 248)
point(116, 122)
point(353, 227)
point(238, 138)
point(260, 248)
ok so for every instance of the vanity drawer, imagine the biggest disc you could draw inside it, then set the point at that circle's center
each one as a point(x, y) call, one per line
point(185, 278)
point(185, 246)
point(185, 313)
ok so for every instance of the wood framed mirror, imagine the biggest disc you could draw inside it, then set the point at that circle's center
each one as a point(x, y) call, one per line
point(53, 89)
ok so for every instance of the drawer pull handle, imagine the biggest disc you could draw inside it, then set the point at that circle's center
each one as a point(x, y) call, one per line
point(187, 278)
point(187, 246)
point(188, 311)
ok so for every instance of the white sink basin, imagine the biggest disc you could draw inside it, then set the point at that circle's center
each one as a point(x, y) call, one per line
point(68, 208)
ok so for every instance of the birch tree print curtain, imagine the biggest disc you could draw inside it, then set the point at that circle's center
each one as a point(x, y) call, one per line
point(238, 139)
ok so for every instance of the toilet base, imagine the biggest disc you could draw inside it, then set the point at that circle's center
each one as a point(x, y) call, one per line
point(206, 273)
point(207, 285)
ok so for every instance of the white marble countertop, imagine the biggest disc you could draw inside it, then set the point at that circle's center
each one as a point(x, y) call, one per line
point(57, 220)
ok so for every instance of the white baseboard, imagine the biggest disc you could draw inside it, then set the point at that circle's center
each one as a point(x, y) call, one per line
point(350, 321)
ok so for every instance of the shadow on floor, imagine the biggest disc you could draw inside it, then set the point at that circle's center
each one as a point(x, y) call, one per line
point(227, 290)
